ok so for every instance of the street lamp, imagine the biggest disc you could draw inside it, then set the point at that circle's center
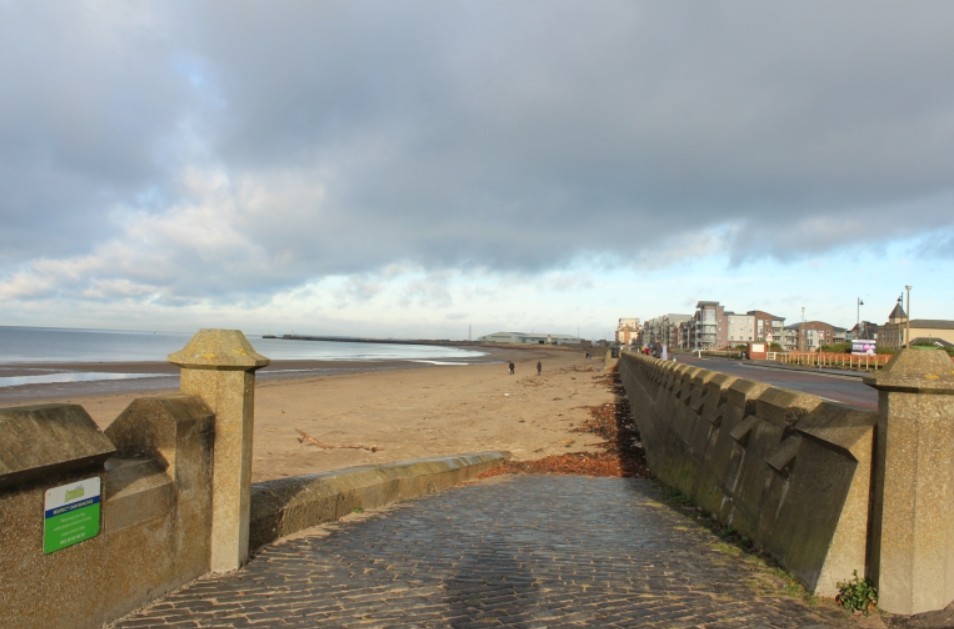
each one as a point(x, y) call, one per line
point(802, 336)
point(907, 320)
point(858, 326)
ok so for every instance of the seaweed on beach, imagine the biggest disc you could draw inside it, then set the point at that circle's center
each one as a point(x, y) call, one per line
point(620, 453)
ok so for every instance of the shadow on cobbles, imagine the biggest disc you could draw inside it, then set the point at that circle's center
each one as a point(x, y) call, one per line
point(490, 587)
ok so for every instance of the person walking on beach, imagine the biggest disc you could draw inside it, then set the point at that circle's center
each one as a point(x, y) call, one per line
point(539, 367)
point(511, 368)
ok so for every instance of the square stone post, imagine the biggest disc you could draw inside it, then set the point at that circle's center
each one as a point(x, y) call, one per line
point(219, 367)
point(911, 558)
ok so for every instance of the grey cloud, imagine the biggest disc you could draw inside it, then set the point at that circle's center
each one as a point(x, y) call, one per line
point(88, 105)
point(481, 135)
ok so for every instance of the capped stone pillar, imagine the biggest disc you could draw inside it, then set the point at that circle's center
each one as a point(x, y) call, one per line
point(219, 367)
point(911, 559)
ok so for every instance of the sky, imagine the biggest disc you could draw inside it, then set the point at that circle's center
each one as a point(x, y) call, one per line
point(449, 169)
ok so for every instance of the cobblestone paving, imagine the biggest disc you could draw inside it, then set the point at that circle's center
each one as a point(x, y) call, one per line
point(513, 551)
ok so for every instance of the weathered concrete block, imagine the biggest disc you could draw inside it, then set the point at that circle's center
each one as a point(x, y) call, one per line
point(830, 474)
point(43, 447)
point(284, 506)
point(138, 491)
point(177, 432)
point(47, 440)
point(912, 556)
point(784, 407)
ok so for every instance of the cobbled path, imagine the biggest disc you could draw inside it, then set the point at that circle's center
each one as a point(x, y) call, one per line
point(512, 551)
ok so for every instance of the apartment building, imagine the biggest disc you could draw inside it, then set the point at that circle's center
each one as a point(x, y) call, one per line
point(664, 329)
point(810, 336)
point(740, 328)
point(627, 331)
point(789, 338)
point(711, 327)
point(768, 327)
point(708, 328)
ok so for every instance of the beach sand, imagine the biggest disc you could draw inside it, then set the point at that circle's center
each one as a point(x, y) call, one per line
point(410, 413)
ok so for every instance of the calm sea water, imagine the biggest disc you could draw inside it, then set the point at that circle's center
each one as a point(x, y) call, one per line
point(64, 345)
point(23, 344)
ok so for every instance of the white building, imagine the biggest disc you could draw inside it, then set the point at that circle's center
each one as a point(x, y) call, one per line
point(741, 328)
point(533, 339)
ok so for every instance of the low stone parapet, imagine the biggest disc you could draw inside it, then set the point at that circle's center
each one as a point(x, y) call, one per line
point(284, 506)
point(146, 483)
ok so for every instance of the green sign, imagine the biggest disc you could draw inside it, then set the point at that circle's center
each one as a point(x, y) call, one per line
point(71, 514)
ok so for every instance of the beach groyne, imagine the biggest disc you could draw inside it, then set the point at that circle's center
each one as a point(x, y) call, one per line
point(825, 489)
point(94, 524)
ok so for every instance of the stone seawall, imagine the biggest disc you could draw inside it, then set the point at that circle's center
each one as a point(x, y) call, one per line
point(153, 469)
point(788, 470)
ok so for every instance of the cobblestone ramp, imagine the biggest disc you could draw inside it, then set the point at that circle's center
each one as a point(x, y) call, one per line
point(513, 551)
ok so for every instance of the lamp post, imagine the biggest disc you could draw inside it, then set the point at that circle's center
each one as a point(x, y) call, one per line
point(858, 325)
point(907, 319)
point(802, 337)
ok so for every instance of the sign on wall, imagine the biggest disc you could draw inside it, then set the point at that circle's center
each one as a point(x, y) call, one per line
point(863, 346)
point(71, 514)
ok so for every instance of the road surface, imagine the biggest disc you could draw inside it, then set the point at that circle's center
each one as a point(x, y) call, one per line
point(836, 387)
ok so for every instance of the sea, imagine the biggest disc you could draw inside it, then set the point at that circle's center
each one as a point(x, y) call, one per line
point(31, 356)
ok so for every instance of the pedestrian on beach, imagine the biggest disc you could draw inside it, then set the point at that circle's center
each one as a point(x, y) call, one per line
point(539, 367)
point(511, 368)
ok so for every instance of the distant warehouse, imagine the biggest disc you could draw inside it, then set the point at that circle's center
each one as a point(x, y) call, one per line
point(533, 339)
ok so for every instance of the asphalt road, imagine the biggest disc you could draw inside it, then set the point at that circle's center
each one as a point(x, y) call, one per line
point(843, 387)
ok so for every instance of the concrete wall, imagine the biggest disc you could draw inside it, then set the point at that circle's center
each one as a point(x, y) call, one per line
point(785, 469)
point(154, 464)
point(287, 505)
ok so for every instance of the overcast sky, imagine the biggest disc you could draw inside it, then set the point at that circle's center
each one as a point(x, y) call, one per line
point(443, 168)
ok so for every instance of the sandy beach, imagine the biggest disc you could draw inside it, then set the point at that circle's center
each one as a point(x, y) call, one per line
point(395, 412)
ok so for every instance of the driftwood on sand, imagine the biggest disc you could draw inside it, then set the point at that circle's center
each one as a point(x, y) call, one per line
point(305, 437)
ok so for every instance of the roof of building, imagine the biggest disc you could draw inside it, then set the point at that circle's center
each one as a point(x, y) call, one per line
point(523, 337)
point(937, 324)
point(673, 316)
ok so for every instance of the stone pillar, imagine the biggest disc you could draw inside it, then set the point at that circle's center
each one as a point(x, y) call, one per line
point(219, 367)
point(911, 557)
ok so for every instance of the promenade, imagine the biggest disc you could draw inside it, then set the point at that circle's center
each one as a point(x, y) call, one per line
point(508, 551)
